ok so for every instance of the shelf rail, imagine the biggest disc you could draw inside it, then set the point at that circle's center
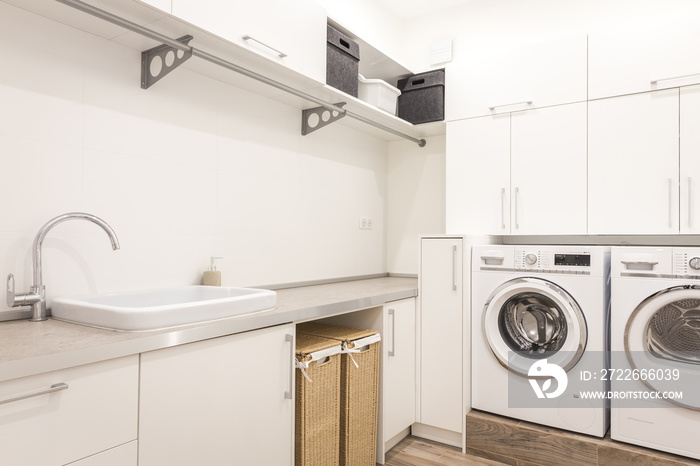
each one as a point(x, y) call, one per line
point(187, 49)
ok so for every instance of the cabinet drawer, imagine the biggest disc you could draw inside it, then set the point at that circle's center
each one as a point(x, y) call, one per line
point(95, 412)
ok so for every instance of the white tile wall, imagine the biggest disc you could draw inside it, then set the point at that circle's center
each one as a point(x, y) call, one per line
point(187, 169)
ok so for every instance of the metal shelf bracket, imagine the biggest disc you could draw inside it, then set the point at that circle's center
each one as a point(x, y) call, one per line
point(318, 117)
point(161, 60)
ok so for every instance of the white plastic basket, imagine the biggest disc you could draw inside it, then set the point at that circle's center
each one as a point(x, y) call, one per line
point(378, 93)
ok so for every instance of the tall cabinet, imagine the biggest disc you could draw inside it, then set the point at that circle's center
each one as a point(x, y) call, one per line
point(442, 365)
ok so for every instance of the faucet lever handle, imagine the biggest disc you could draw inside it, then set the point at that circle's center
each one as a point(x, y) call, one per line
point(10, 290)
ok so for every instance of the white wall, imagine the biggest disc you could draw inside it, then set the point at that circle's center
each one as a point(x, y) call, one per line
point(187, 169)
point(416, 200)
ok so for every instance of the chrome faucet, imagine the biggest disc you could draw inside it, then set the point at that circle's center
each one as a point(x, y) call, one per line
point(36, 298)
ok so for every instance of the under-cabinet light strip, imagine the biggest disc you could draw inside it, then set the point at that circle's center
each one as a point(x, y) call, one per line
point(126, 24)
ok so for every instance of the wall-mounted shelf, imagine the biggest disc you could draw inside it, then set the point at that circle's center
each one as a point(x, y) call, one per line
point(151, 19)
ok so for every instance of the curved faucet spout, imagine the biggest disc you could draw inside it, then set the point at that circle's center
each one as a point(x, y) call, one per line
point(36, 298)
point(39, 239)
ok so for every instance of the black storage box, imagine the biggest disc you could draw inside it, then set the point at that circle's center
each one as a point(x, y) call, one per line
point(422, 97)
point(342, 61)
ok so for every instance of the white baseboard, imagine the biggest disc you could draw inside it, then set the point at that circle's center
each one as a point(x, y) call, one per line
point(436, 434)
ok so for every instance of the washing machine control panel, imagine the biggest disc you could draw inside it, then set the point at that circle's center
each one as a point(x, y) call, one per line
point(686, 262)
point(554, 261)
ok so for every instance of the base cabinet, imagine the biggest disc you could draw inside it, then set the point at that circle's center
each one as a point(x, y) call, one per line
point(95, 410)
point(223, 401)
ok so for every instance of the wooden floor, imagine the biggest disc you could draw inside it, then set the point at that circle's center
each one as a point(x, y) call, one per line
point(414, 451)
point(494, 440)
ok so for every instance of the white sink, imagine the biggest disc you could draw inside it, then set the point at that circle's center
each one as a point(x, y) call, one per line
point(156, 309)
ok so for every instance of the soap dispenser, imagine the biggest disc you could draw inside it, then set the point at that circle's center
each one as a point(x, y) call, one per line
point(212, 277)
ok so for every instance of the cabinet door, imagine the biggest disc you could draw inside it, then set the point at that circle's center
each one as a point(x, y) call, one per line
point(633, 164)
point(636, 58)
point(399, 357)
point(441, 363)
point(534, 76)
point(478, 175)
point(690, 160)
point(219, 401)
point(548, 170)
point(296, 29)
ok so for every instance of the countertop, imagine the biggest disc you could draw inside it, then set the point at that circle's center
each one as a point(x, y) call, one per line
point(28, 348)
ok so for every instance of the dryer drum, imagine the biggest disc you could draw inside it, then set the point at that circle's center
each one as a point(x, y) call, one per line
point(673, 332)
point(532, 325)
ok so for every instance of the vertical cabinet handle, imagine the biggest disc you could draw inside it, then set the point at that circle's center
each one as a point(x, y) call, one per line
point(670, 203)
point(290, 339)
point(503, 208)
point(392, 351)
point(690, 202)
point(454, 268)
point(517, 194)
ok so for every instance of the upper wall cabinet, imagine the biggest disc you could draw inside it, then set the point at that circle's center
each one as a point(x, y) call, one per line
point(291, 33)
point(640, 58)
point(520, 174)
point(633, 164)
point(690, 160)
point(535, 76)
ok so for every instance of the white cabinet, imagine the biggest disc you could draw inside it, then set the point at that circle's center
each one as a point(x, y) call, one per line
point(442, 334)
point(399, 370)
point(637, 57)
point(535, 76)
point(290, 33)
point(477, 175)
point(219, 401)
point(522, 173)
point(633, 164)
point(96, 411)
point(690, 160)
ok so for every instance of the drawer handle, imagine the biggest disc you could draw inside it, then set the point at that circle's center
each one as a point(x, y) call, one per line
point(57, 387)
point(656, 81)
point(246, 37)
point(526, 102)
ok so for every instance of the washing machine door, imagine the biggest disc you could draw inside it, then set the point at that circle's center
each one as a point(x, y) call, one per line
point(662, 343)
point(528, 319)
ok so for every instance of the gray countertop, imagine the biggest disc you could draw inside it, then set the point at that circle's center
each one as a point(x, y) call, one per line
point(28, 348)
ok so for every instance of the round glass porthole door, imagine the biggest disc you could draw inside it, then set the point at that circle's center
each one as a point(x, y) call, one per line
point(527, 319)
point(662, 338)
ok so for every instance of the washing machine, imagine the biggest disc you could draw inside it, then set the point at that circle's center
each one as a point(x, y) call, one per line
point(655, 348)
point(539, 331)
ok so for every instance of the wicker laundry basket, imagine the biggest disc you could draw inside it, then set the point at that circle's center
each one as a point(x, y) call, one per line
point(317, 404)
point(359, 390)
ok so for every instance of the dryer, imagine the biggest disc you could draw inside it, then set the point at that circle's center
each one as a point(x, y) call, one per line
point(655, 345)
point(534, 307)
